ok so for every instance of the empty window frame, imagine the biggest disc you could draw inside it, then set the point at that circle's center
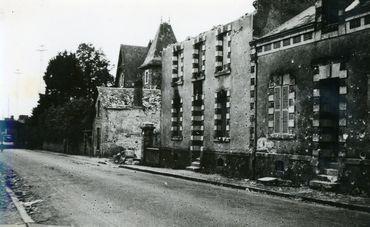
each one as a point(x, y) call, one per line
point(98, 108)
point(222, 111)
point(223, 51)
point(307, 36)
point(277, 45)
point(146, 77)
point(286, 42)
point(367, 19)
point(267, 47)
point(176, 128)
point(98, 138)
point(297, 39)
point(355, 23)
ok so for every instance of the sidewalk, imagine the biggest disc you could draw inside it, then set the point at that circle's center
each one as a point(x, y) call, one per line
point(301, 193)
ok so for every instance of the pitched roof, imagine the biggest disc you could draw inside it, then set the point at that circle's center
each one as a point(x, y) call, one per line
point(130, 58)
point(305, 17)
point(357, 7)
point(162, 39)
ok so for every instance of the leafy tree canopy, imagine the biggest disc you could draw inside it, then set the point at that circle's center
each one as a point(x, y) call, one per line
point(67, 107)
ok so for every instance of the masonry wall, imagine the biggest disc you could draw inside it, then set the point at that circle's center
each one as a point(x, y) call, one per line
point(154, 78)
point(237, 83)
point(120, 125)
point(352, 51)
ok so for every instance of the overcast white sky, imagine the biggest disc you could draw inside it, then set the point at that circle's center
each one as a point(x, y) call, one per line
point(63, 24)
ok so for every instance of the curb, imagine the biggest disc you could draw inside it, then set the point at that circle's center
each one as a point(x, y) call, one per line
point(22, 212)
point(259, 190)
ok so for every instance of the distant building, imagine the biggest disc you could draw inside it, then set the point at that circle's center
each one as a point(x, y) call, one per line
point(135, 99)
point(13, 131)
point(310, 78)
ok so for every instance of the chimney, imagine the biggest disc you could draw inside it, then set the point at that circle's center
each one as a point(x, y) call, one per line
point(330, 11)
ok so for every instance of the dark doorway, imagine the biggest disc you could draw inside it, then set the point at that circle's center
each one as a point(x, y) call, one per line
point(329, 119)
point(197, 122)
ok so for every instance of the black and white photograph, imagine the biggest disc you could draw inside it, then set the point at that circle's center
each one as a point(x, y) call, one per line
point(184, 113)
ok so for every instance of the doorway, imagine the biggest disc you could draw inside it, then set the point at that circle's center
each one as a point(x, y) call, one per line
point(329, 119)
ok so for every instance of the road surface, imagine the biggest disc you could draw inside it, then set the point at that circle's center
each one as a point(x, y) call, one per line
point(80, 191)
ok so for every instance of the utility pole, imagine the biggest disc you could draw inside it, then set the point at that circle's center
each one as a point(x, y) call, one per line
point(41, 50)
point(18, 73)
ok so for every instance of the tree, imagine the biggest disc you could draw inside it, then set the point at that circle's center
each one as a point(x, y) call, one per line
point(64, 78)
point(67, 108)
point(95, 69)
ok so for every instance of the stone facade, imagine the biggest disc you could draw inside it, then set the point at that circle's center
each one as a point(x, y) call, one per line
point(292, 103)
point(136, 99)
point(118, 120)
point(205, 112)
point(310, 77)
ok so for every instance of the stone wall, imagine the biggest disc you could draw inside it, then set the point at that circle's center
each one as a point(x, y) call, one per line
point(120, 121)
point(351, 52)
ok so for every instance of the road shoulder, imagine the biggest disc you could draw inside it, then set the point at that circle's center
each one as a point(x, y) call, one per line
point(303, 194)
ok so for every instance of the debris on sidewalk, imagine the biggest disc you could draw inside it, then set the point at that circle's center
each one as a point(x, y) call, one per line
point(127, 157)
point(28, 204)
point(268, 180)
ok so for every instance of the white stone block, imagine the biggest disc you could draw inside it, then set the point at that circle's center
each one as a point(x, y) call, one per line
point(343, 90)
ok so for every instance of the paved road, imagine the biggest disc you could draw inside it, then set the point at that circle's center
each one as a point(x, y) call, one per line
point(79, 191)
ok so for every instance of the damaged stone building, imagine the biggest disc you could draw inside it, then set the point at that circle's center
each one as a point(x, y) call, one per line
point(309, 82)
point(135, 99)
point(290, 101)
point(204, 96)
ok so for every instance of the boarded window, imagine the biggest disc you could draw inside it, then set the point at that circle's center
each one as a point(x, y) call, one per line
point(281, 103)
point(285, 108)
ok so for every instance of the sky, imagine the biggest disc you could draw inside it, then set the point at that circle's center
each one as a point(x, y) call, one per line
point(34, 31)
